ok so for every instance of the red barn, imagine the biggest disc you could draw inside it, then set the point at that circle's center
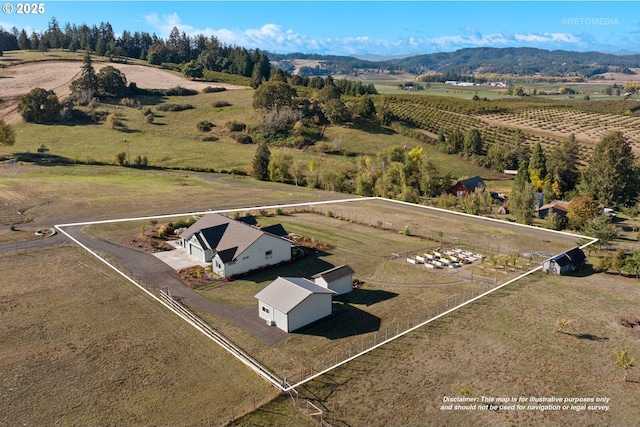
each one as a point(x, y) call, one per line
point(466, 186)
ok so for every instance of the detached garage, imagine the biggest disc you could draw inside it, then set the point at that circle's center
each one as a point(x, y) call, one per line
point(338, 279)
point(293, 302)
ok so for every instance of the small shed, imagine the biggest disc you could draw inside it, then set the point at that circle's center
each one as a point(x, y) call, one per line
point(338, 279)
point(293, 302)
point(565, 262)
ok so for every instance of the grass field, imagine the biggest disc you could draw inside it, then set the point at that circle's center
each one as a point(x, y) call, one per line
point(81, 346)
point(395, 294)
point(63, 194)
point(506, 345)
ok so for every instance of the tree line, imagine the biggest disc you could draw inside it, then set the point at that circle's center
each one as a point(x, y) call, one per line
point(178, 48)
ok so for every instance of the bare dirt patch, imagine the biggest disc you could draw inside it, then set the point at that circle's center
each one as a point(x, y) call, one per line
point(56, 75)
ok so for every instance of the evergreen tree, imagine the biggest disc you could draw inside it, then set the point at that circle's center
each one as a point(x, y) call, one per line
point(562, 164)
point(455, 142)
point(521, 198)
point(609, 177)
point(261, 162)
point(23, 40)
point(472, 143)
point(85, 87)
point(538, 161)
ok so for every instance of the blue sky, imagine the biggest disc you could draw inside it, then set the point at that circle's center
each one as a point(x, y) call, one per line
point(363, 27)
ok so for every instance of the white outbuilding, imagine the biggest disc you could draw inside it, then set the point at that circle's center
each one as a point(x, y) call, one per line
point(338, 279)
point(293, 302)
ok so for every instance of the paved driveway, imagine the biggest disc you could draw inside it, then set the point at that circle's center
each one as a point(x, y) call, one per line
point(152, 271)
point(179, 258)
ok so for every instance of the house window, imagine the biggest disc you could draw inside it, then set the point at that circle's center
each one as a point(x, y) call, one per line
point(268, 254)
point(218, 264)
point(231, 262)
point(245, 257)
point(265, 309)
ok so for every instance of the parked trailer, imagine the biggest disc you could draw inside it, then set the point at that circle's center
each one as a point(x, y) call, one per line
point(429, 265)
point(411, 260)
point(420, 259)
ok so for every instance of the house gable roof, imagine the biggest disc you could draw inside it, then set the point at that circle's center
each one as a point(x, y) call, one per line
point(285, 293)
point(576, 255)
point(559, 205)
point(562, 260)
point(472, 184)
point(335, 273)
point(276, 230)
point(229, 238)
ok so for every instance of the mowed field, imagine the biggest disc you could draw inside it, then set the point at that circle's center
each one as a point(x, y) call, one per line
point(82, 346)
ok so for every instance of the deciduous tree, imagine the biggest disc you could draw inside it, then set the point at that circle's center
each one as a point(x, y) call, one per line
point(624, 361)
point(581, 210)
point(273, 95)
point(39, 106)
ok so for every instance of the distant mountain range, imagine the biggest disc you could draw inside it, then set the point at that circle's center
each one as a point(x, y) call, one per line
point(481, 60)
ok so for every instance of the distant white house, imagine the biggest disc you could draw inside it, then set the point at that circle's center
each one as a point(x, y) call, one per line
point(234, 247)
point(338, 279)
point(293, 302)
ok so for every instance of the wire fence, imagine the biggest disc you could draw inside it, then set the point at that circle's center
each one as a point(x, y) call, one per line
point(385, 333)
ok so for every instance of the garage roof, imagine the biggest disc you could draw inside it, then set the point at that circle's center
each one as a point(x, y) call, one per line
point(285, 293)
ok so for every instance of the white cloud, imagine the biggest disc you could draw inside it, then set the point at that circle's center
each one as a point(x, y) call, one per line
point(275, 38)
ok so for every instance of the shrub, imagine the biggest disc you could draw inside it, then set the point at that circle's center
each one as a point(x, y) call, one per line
point(210, 138)
point(149, 118)
point(121, 158)
point(235, 126)
point(330, 214)
point(12, 227)
point(175, 107)
point(210, 89)
point(112, 121)
point(406, 231)
point(219, 104)
point(141, 161)
point(128, 102)
point(180, 91)
point(243, 139)
point(205, 126)
point(147, 111)
point(278, 211)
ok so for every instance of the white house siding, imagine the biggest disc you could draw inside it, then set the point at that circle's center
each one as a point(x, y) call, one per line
point(255, 256)
point(194, 248)
point(343, 285)
point(314, 307)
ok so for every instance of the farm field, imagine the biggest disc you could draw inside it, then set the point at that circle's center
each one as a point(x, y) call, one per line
point(395, 295)
point(505, 345)
point(588, 128)
point(82, 346)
